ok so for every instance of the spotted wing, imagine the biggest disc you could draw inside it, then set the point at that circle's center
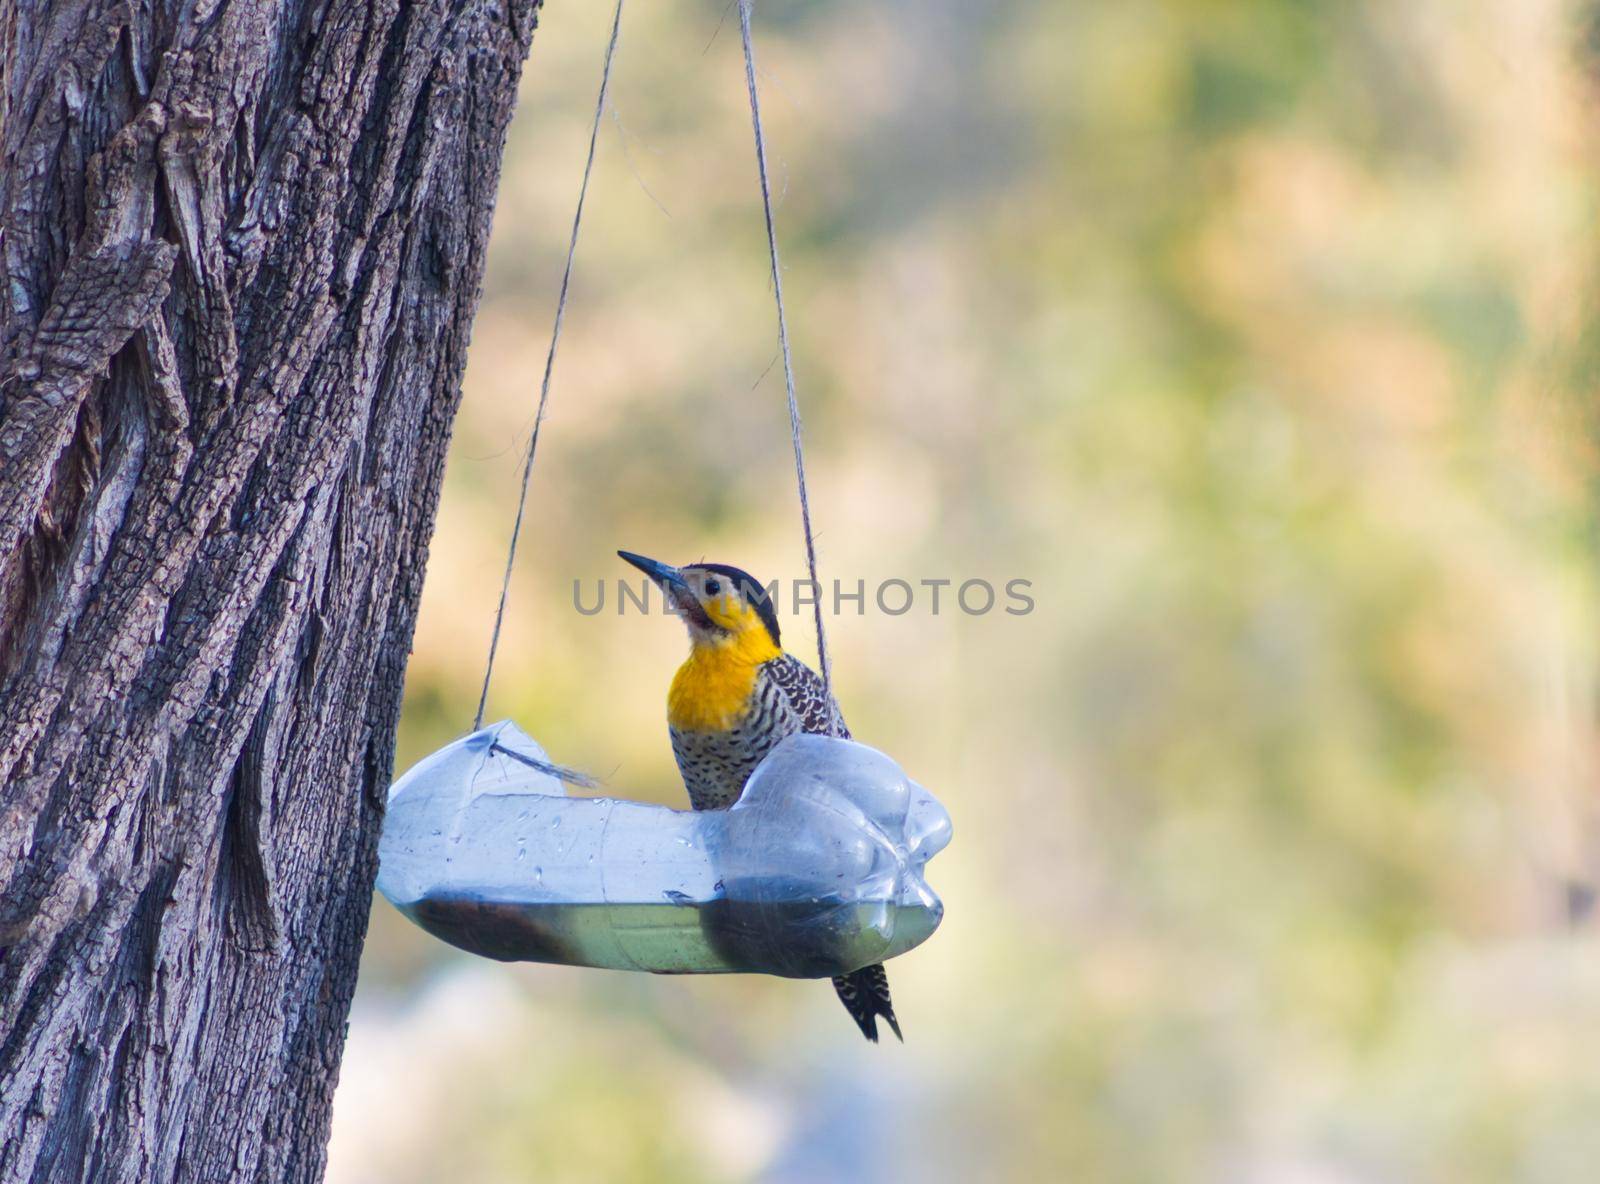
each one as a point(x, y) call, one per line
point(800, 685)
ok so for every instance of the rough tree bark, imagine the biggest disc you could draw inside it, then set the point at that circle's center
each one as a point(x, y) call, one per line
point(241, 245)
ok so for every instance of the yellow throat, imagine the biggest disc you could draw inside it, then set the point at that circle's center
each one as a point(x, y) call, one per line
point(711, 691)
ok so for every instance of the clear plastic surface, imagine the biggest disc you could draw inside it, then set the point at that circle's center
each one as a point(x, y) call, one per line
point(816, 871)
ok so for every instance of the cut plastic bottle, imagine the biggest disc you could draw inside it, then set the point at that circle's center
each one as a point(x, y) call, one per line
point(816, 871)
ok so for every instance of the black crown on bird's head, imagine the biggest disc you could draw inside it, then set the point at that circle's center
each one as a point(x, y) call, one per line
point(753, 590)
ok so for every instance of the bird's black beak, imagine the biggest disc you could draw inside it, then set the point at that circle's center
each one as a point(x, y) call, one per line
point(679, 594)
point(663, 574)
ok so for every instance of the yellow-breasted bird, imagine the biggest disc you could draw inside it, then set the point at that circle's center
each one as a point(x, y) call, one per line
point(733, 700)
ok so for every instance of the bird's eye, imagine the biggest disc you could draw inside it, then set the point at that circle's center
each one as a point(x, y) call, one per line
point(713, 587)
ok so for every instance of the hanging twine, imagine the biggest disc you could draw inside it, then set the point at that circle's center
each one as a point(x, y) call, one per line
point(823, 660)
point(549, 365)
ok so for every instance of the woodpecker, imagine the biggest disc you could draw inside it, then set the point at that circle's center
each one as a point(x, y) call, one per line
point(733, 700)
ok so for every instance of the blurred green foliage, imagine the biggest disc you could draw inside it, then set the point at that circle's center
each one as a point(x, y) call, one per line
point(1260, 337)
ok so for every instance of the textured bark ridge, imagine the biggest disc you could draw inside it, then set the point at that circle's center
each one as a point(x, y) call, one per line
point(241, 245)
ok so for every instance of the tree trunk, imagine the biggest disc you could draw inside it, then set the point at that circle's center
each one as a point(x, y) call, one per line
point(242, 246)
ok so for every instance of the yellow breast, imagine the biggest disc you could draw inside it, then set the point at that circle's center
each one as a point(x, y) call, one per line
point(711, 691)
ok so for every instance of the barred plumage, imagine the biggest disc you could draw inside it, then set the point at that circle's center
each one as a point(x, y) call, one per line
point(865, 995)
point(786, 698)
point(818, 712)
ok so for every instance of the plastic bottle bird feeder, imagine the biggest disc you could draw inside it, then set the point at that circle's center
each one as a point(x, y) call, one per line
point(816, 871)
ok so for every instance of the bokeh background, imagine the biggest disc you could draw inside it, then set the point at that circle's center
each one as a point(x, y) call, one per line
point(1261, 337)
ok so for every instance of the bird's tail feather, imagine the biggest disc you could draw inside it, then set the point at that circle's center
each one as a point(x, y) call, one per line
point(865, 995)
